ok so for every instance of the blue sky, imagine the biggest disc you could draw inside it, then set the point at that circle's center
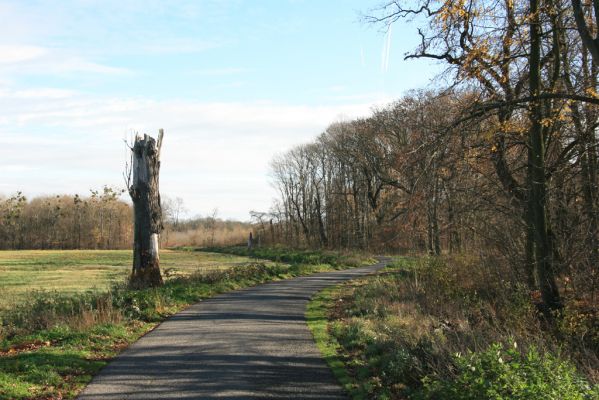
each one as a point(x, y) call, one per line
point(232, 82)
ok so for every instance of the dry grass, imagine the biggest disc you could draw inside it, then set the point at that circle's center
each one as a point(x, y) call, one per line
point(222, 234)
point(410, 322)
point(76, 271)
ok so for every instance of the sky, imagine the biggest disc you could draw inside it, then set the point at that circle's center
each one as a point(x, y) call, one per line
point(232, 82)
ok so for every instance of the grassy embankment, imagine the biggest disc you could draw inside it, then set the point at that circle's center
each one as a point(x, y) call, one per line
point(306, 260)
point(442, 329)
point(52, 343)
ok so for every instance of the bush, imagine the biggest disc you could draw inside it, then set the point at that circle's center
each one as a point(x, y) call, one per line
point(48, 310)
point(408, 322)
point(292, 256)
point(501, 373)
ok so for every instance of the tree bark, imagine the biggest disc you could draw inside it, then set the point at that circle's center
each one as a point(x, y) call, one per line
point(545, 262)
point(145, 194)
point(529, 249)
point(251, 241)
point(585, 31)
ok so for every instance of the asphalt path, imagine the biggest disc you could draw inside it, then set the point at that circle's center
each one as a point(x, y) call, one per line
point(247, 344)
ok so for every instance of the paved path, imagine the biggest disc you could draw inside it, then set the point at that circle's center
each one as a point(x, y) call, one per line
point(247, 344)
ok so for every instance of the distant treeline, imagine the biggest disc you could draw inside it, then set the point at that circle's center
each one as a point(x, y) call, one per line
point(203, 232)
point(102, 220)
point(99, 221)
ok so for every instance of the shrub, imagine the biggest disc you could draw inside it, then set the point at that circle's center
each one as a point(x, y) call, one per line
point(407, 322)
point(501, 373)
point(47, 310)
point(292, 256)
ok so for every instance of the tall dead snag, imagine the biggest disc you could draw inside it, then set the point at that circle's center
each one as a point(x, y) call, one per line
point(251, 242)
point(144, 192)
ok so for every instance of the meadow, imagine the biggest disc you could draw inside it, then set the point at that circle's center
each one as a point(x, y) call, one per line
point(53, 341)
point(77, 271)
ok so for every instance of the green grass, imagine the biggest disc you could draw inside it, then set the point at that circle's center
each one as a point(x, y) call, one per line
point(296, 256)
point(76, 271)
point(317, 319)
point(57, 360)
point(54, 342)
point(65, 363)
point(418, 330)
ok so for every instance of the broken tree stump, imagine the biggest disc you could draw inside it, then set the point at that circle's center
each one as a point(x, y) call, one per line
point(251, 242)
point(144, 191)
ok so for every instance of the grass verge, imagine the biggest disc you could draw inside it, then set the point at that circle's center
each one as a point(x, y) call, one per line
point(52, 345)
point(317, 319)
point(431, 329)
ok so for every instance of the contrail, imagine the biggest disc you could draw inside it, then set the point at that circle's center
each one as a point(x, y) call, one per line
point(362, 56)
point(386, 51)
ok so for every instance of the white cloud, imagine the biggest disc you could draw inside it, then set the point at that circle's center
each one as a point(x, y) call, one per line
point(39, 93)
point(77, 64)
point(219, 71)
point(15, 168)
point(14, 54)
point(172, 46)
point(214, 155)
point(16, 60)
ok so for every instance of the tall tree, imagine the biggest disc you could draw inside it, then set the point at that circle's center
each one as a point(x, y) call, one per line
point(500, 46)
point(538, 190)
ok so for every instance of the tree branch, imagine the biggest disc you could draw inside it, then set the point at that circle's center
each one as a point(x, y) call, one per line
point(592, 44)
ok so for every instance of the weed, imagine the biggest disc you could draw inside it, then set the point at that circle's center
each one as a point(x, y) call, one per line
point(504, 373)
point(398, 333)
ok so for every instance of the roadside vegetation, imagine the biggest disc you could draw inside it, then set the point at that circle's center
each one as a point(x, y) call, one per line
point(298, 257)
point(52, 343)
point(438, 328)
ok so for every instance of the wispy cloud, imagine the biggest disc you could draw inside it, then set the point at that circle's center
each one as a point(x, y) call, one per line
point(14, 54)
point(25, 59)
point(78, 64)
point(172, 46)
point(374, 98)
point(218, 71)
point(38, 93)
point(221, 146)
point(336, 88)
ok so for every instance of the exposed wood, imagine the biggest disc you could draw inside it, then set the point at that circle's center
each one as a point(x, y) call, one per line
point(144, 191)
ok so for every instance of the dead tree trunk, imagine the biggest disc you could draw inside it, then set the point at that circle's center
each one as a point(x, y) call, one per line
point(251, 241)
point(148, 214)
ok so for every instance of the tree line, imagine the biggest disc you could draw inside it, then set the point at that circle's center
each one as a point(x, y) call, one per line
point(502, 162)
point(103, 220)
point(98, 221)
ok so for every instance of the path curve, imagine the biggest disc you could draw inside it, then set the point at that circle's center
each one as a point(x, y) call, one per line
point(247, 344)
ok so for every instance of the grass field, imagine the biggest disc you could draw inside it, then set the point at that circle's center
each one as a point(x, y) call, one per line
point(52, 344)
point(73, 271)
